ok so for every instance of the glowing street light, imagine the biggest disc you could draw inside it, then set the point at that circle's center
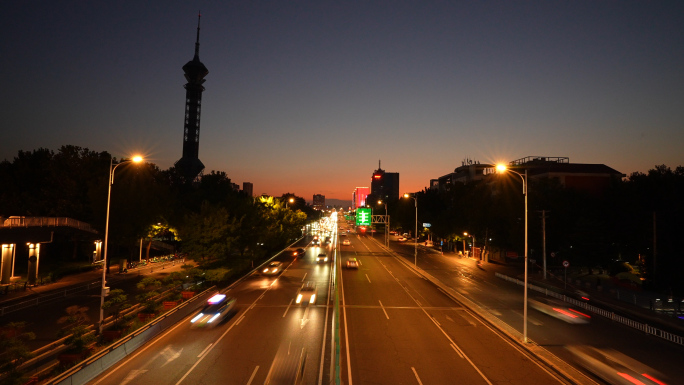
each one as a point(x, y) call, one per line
point(472, 248)
point(105, 290)
point(501, 169)
point(415, 245)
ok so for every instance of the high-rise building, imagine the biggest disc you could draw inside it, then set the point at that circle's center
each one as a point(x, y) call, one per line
point(359, 197)
point(189, 164)
point(385, 185)
point(248, 188)
point(318, 202)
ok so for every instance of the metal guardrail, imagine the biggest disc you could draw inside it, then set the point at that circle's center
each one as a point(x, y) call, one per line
point(47, 222)
point(58, 294)
point(602, 312)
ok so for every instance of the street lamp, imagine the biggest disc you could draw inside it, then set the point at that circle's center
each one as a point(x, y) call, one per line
point(415, 245)
point(386, 225)
point(472, 248)
point(291, 200)
point(501, 169)
point(105, 290)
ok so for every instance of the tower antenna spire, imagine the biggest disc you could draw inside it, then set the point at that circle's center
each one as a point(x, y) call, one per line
point(199, 16)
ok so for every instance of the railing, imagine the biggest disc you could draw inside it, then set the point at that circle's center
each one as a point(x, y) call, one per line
point(46, 222)
point(602, 312)
point(48, 297)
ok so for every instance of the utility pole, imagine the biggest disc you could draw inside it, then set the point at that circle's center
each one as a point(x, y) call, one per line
point(544, 239)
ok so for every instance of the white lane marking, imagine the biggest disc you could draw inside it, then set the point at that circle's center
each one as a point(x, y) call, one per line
point(219, 340)
point(147, 346)
point(369, 281)
point(346, 333)
point(437, 322)
point(472, 364)
point(416, 373)
point(305, 318)
point(204, 351)
point(303, 278)
point(131, 376)
point(287, 308)
point(383, 309)
point(253, 374)
point(325, 329)
point(359, 262)
point(458, 351)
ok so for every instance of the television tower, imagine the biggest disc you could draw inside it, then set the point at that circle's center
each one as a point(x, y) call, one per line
point(189, 164)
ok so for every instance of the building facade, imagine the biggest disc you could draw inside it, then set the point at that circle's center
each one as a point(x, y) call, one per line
point(318, 202)
point(359, 197)
point(385, 185)
point(248, 188)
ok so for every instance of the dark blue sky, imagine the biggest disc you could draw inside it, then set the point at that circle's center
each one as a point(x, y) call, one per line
point(306, 96)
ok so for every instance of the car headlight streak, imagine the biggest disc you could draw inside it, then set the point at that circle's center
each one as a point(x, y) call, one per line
point(214, 317)
point(198, 316)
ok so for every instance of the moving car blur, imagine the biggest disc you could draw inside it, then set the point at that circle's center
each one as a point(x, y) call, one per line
point(215, 311)
point(559, 309)
point(615, 367)
point(352, 263)
point(307, 293)
point(322, 257)
point(273, 268)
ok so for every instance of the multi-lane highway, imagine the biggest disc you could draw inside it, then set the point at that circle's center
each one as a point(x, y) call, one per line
point(399, 328)
point(267, 332)
point(395, 328)
point(503, 301)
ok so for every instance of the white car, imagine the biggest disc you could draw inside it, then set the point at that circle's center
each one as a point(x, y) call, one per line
point(215, 311)
point(322, 257)
point(307, 293)
point(273, 268)
point(346, 242)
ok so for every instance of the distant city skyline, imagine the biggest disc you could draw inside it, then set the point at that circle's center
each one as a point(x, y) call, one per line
point(305, 98)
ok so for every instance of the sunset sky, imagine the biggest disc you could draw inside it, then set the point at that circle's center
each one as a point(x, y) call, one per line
point(306, 96)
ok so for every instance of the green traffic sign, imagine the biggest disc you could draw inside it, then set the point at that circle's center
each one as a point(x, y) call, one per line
point(363, 217)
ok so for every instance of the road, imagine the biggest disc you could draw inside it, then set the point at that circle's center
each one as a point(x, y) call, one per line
point(266, 326)
point(397, 328)
point(503, 300)
point(401, 329)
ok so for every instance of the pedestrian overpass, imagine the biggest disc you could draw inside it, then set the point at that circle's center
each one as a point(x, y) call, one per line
point(33, 231)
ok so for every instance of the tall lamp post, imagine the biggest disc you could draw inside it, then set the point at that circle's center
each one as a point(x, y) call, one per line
point(386, 225)
point(105, 290)
point(415, 245)
point(472, 248)
point(501, 169)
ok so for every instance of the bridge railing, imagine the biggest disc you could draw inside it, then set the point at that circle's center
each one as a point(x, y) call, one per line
point(46, 222)
point(605, 313)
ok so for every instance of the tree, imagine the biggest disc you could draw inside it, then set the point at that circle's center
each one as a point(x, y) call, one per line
point(14, 351)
